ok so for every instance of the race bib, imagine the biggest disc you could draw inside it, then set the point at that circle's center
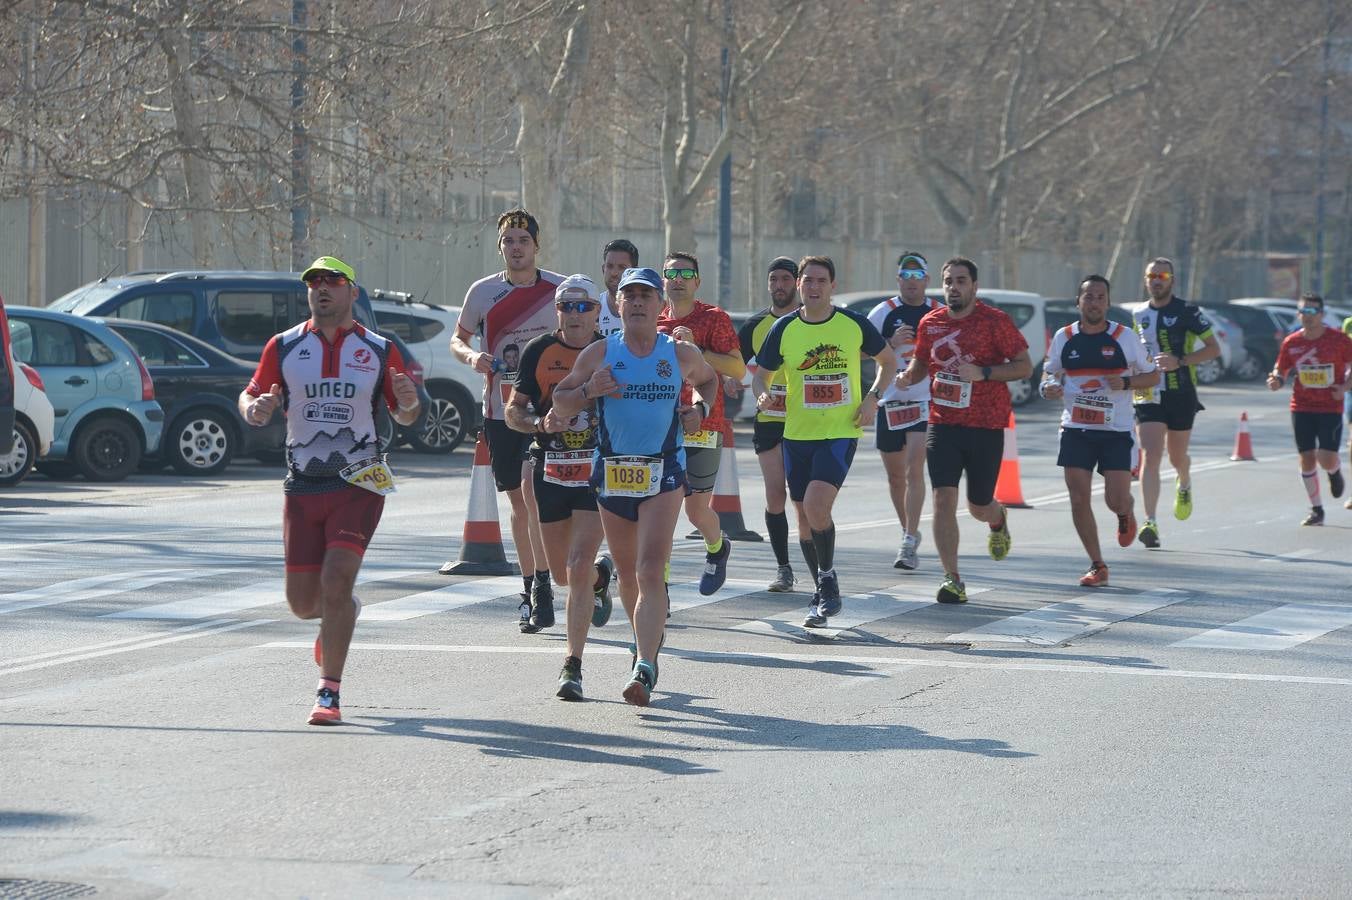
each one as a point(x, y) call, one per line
point(1145, 395)
point(826, 391)
point(1091, 409)
point(1316, 376)
point(949, 390)
point(778, 405)
point(373, 474)
point(568, 468)
point(708, 440)
point(632, 476)
point(899, 414)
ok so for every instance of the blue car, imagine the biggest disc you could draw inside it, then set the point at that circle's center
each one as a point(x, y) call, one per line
point(106, 415)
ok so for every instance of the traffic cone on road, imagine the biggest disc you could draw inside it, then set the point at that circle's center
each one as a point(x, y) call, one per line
point(481, 551)
point(1008, 489)
point(1243, 443)
point(727, 498)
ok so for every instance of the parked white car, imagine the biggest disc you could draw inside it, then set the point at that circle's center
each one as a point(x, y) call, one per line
point(34, 424)
point(1333, 315)
point(426, 328)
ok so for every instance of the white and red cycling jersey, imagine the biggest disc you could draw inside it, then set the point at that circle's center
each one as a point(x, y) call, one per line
point(330, 394)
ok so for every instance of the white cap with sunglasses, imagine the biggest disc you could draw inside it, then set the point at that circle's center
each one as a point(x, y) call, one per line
point(576, 287)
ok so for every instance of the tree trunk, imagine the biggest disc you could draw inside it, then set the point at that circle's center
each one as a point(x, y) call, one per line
point(196, 175)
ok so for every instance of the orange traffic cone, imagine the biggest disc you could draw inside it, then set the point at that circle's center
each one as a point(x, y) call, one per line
point(481, 551)
point(1008, 490)
point(1243, 443)
point(727, 498)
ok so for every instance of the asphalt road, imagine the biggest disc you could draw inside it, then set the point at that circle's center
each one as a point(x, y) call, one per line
point(1183, 732)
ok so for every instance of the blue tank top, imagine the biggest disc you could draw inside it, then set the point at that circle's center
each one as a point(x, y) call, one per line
point(642, 421)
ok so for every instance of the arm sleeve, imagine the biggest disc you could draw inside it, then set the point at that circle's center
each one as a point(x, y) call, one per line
point(269, 371)
point(394, 360)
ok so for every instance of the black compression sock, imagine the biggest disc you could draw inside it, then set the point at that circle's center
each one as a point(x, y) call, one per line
point(825, 543)
point(810, 555)
point(778, 526)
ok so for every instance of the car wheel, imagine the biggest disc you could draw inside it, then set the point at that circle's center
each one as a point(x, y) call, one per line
point(106, 449)
point(201, 442)
point(445, 424)
point(1021, 391)
point(1210, 371)
point(18, 462)
point(1250, 369)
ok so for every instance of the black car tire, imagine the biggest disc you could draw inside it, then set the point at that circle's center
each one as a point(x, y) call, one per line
point(106, 449)
point(1022, 391)
point(15, 465)
point(200, 442)
point(445, 424)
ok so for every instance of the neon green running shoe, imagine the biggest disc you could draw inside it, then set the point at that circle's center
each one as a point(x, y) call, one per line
point(998, 542)
point(952, 590)
point(1182, 503)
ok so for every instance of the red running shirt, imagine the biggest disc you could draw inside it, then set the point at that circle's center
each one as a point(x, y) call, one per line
point(1314, 367)
point(713, 330)
point(984, 337)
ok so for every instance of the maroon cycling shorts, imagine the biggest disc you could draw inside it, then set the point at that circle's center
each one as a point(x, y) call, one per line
point(314, 523)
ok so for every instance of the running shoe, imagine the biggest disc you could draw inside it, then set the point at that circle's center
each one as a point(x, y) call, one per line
point(1336, 483)
point(952, 590)
point(828, 590)
point(814, 617)
point(639, 690)
point(1316, 516)
point(1097, 576)
point(541, 607)
point(1182, 503)
point(326, 710)
point(602, 602)
point(715, 568)
point(1149, 534)
point(784, 580)
point(1126, 529)
point(907, 557)
point(319, 638)
point(570, 679)
point(524, 608)
point(998, 541)
point(1348, 504)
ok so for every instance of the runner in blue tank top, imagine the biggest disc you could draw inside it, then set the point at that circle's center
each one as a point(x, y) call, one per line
point(635, 377)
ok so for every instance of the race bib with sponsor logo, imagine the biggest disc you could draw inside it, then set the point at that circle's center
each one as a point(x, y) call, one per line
point(826, 391)
point(900, 414)
point(632, 476)
point(568, 468)
point(1091, 409)
point(949, 390)
point(1316, 376)
point(372, 473)
point(778, 403)
point(706, 439)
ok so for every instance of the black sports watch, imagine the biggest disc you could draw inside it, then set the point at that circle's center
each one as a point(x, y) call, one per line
point(985, 373)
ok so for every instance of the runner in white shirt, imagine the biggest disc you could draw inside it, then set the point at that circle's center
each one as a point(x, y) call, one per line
point(1093, 366)
point(616, 256)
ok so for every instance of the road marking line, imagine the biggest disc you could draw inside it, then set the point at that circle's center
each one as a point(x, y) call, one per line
point(904, 662)
point(119, 642)
point(96, 586)
point(1061, 622)
point(443, 599)
point(1276, 629)
point(859, 609)
point(250, 596)
point(181, 634)
point(685, 595)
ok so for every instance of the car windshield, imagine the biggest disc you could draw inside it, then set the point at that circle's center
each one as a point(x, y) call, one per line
point(83, 299)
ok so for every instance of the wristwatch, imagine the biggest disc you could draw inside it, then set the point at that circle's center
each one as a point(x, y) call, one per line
point(703, 409)
point(985, 373)
point(877, 394)
point(535, 423)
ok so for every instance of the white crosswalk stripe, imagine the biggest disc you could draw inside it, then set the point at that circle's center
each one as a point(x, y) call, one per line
point(686, 595)
point(96, 586)
point(1276, 629)
point(443, 599)
point(250, 596)
point(1061, 622)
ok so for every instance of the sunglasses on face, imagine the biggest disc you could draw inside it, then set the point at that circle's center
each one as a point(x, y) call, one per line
point(576, 306)
point(687, 274)
point(321, 278)
point(1309, 310)
point(1160, 276)
point(911, 274)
